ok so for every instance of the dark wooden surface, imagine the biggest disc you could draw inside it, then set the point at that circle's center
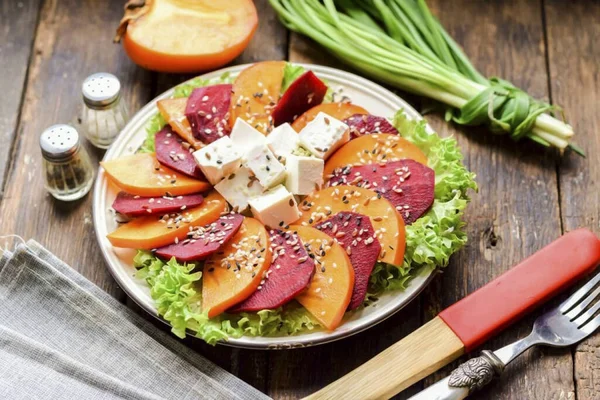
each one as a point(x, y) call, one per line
point(528, 196)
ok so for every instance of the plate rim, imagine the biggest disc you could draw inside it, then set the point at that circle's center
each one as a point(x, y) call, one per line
point(423, 278)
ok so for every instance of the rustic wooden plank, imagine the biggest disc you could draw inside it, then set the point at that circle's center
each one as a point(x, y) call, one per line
point(61, 61)
point(18, 21)
point(516, 210)
point(574, 50)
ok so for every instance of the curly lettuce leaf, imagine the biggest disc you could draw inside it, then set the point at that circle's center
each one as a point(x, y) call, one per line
point(176, 291)
point(291, 72)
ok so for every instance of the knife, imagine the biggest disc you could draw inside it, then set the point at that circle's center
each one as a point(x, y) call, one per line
point(471, 321)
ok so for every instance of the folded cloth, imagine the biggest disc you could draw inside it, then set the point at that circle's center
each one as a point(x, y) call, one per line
point(61, 337)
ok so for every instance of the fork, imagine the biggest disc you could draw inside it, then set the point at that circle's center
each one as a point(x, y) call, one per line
point(572, 321)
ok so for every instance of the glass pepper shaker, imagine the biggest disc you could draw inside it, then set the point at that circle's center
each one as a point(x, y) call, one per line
point(67, 168)
point(104, 112)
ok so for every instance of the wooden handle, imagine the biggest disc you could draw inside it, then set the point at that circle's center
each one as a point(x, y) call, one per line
point(417, 355)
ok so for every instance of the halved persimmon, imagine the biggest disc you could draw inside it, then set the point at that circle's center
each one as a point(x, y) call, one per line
point(142, 175)
point(387, 223)
point(329, 293)
point(152, 232)
point(185, 36)
point(373, 149)
point(336, 110)
point(173, 111)
point(235, 272)
point(256, 90)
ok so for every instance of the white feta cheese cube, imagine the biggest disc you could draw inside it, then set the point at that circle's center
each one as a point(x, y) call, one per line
point(304, 174)
point(324, 135)
point(263, 163)
point(238, 187)
point(276, 207)
point(218, 160)
point(283, 140)
point(245, 137)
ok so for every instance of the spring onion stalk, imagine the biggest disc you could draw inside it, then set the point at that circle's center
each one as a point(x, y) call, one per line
point(402, 44)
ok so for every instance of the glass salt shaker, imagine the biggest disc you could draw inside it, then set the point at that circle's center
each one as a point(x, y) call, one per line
point(104, 112)
point(68, 170)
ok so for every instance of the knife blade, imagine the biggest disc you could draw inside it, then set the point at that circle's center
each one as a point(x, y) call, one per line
point(471, 321)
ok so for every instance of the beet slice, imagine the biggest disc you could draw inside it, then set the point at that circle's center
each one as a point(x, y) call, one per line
point(303, 94)
point(207, 111)
point(366, 124)
point(354, 232)
point(285, 278)
point(407, 184)
point(173, 152)
point(135, 206)
point(203, 241)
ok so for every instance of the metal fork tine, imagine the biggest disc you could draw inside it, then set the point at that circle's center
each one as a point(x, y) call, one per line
point(591, 326)
point(578, 295)
point(580, 307)
point(587, 315)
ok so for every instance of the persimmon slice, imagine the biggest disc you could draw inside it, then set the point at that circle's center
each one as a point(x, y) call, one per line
point(330, 291)
point(373, 149)
point(185, 36)
point(255, 93)
point(234, 273)
point(386, 221)
point(153, 232)
point(173, 111)
point(336, 110)
point(141, 174)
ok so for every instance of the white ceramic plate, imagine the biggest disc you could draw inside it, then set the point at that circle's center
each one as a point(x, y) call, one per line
point(376, 99)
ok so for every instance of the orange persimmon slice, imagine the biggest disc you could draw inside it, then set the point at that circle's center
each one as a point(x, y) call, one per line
point(173, 111)
point(373, 149)
point(142, 175)
point(235, 272)
point(153, 231)
point(339, 111)
point(330, 291)
point(256, 90)
point(387, 223)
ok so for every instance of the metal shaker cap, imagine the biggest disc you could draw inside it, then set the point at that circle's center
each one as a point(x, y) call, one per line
point(100, 90)
point(59, 142)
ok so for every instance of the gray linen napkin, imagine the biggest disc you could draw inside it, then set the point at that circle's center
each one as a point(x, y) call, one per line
point(63, 337)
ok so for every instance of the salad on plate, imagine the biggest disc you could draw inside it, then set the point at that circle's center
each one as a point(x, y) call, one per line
point(261, 205)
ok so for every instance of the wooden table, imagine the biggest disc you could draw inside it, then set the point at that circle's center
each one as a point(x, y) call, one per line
point(528, 196)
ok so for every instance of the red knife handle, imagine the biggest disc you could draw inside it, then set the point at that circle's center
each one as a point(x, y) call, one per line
point(487, 311)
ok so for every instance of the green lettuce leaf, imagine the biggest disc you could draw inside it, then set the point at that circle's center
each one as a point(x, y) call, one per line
point(176, 291)
point(291, 72)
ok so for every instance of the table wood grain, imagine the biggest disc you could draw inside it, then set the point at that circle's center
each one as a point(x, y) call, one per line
point(528, 196)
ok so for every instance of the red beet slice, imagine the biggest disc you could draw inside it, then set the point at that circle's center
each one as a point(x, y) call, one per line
point(285, 278)
point(135, 206)
point(407, 184)
point(366, 124)
point(203, 241)
point(173, 152)
point(355, 233)
point(207, 111)
point(303, 94)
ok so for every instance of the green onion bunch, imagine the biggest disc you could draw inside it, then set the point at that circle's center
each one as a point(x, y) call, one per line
point(402, 44)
